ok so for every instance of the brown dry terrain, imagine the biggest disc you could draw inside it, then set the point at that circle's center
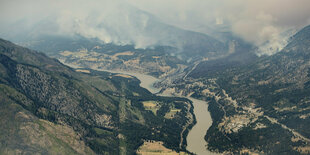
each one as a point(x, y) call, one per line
point(156, 148)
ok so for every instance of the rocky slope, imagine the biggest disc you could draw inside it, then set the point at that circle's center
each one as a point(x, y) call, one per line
point(261, 107)
point(48, 108)
point(258, 105)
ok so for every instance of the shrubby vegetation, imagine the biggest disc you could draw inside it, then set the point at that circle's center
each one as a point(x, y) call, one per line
point(98, 106)
point(278, 85)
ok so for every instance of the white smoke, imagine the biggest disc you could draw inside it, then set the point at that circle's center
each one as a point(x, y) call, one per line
point(276, 43)
point(110, 21)
point(119, 21)
point(261, 22)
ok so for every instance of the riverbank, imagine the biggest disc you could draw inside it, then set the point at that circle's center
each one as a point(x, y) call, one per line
point(195, 138)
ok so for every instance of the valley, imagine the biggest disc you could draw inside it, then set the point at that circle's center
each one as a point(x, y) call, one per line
point(155, 77)
point(152, 62)
point(103, 111)
point(241, 101)
point(195, 140)
point(240, 120)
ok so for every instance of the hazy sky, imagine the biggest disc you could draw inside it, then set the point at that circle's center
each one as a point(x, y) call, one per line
point(253, 20)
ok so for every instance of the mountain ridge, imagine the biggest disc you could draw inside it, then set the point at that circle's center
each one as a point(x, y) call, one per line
point(260, 107)
point(99, 111)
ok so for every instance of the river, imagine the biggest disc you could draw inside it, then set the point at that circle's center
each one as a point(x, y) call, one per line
point(195, 138)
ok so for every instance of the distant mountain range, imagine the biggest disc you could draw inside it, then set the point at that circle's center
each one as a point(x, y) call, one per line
point(126, 26)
